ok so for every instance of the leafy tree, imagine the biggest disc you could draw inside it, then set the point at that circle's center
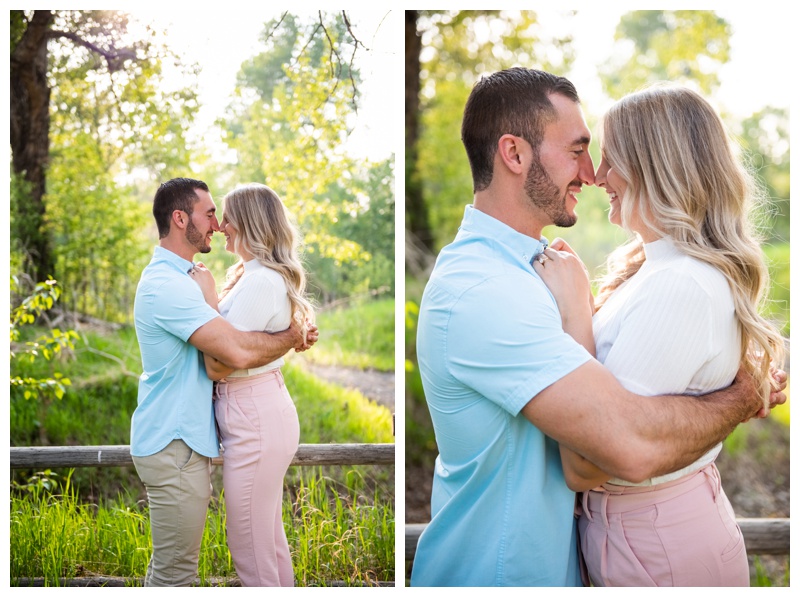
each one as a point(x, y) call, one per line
point(88, 104)
point(687, 46)
point(293, 110)
point(366, 216)
point(30, 120)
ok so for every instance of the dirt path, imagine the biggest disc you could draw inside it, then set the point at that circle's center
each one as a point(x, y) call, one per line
point(375, 385)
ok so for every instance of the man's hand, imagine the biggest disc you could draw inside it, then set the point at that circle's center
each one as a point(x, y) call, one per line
point(776, 397)
point(312, 335)
point(746, 393)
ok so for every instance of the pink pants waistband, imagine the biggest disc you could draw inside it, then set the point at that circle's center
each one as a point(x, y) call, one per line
point(230, 384)
point(610, 499)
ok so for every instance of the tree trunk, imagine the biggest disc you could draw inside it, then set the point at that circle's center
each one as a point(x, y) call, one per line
point(30, 145)
point(417, 225)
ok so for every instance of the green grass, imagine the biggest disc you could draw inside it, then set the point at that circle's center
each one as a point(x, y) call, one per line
point(334, 536)
point(329, 413)
point(360, 335)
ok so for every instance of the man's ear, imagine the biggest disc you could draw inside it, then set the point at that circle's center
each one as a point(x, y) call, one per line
point(179, 219)
point(512, 152)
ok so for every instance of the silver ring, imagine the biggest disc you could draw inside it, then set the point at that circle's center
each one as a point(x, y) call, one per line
point(541, 259)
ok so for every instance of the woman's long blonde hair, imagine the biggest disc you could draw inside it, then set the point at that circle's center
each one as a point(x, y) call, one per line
point(685, 180)
point(265, 230)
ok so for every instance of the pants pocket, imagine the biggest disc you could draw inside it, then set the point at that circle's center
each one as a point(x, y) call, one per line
point(735, 544)
point(183, 454)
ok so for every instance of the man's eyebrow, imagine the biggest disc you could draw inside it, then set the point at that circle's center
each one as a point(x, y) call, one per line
point(582, 141)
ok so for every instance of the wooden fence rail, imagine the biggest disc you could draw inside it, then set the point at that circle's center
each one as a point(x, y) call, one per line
point(101, 456)
point(762, 536)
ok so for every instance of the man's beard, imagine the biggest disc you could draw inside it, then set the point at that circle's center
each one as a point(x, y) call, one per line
point(196, 238)
point(546, 195)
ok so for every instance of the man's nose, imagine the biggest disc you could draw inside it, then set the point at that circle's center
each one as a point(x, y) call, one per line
point(586, 171)
point(215, 224)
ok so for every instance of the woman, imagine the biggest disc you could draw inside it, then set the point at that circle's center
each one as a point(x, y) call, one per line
point(257, 420)
point(676, 313)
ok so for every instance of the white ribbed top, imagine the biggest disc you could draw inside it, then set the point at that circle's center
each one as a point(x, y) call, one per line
point(258, 302)
point(670, 329)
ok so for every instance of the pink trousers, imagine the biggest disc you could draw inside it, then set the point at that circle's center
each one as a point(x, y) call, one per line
point(260, 432)
point(682, 533)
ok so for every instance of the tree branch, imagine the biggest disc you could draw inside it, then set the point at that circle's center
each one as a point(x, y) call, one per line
point(353, 57)
point(275, 28)
point(114, 58)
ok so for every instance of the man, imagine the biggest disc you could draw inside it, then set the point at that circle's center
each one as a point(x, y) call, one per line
point(504, 383)
point(173, 434)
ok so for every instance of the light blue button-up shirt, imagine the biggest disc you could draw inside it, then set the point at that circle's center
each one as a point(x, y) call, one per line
point(174, 391)
point(489, 340)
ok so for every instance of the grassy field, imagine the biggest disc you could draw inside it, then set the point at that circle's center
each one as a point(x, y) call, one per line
point(359, 335)
point(339, 520)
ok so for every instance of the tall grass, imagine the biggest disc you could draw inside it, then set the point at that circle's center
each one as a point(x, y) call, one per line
point(55, 535)
point(334, 537)
point(360, 335)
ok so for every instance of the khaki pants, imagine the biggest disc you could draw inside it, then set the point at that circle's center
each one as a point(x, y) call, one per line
point(178, 482)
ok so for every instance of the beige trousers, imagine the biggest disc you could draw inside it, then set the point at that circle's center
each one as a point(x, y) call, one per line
point(178, 483)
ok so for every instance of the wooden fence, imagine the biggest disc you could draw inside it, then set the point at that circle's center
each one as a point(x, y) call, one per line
point(106, 456)
point(762, 536)
point(100, 456)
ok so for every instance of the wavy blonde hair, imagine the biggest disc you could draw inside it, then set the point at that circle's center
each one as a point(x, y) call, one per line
point(686, 180)
point(265, 230)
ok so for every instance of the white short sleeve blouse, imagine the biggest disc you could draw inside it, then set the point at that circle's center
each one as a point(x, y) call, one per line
point(670, 329)
point(257, 302)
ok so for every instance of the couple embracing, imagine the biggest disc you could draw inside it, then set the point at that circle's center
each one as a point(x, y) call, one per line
point(537, 389)
point(212, 374)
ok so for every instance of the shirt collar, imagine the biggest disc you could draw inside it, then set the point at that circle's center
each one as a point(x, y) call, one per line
point(523, 245)
point(251, 264)
point(662, 248)
point(162, 254)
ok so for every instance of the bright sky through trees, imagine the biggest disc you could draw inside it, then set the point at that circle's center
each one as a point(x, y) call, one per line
point(219, 41)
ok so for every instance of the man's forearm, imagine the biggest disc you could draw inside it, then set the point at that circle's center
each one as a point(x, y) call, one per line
point(690, 429)
point(243, 350)
point(256, 349)
point(636, 437)
point(686, 427)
